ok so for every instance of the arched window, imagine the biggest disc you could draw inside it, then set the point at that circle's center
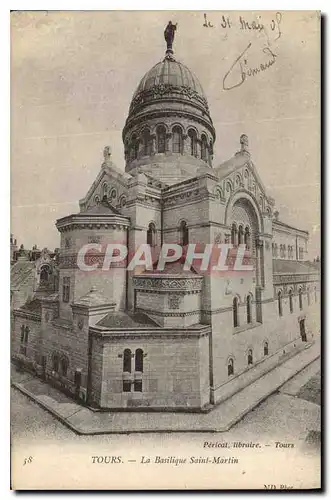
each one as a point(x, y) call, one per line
point(160, 139)
point(184, 236)
point(211, 149)
point(240, 235)
point(177, 140)
point(247, 238)
point(250, 357)
point(151, 235)
point(134, 147)
point(139, 360)
point(193, 142)
point(276, 250)
point(56, 363)
point(22, 334)
point(104, 190)
point(235, 312)
point(266, 348)
point(204, 152)
point(300, 299)
point(44, 275)
point(315, 293)
point(230, 367)
point(288, 251)
point(64, 366)
point(24, 339)
point(308, 297)
point(280, 304)
point(127, 361)
point(147, 143)
point(234, 234)
point(291, 300)
point(249, 308)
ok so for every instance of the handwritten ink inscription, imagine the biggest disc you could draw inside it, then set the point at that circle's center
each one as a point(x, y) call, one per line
point(245, 70)
point(245, 25)
point(241, 69)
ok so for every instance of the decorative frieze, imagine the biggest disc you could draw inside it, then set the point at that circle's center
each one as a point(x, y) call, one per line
point(163, 90)
point(70, 261)
point(294, 278)
point(167, 284)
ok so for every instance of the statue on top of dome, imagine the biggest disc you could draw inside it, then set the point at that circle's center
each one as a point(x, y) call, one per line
point(107, 153)
point(169, 35)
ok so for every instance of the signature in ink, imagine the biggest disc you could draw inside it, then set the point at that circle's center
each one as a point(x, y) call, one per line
point(245, 71)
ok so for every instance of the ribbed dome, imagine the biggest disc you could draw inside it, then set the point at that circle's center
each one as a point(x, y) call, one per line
point(170, 72)
point(168, 128)
point(169, 79)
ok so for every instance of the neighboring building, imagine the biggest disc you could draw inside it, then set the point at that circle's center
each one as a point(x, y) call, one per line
point(177, 339)
point(30, 278)
point(13, 247)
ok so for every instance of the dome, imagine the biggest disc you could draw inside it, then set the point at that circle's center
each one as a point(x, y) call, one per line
point(168, 128)
point(169, 78)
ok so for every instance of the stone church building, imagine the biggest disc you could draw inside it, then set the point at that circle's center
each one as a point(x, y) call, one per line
point(177, 339)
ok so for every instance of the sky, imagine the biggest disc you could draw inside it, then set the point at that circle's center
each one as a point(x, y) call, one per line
point(73, 74)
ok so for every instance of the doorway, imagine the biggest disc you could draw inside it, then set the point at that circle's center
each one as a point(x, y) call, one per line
point(303, 330)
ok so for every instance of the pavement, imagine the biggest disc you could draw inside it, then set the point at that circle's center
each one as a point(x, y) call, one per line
point(85, 421)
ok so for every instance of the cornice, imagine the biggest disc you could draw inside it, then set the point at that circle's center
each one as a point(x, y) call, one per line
point(156, 333)
point(82, 221)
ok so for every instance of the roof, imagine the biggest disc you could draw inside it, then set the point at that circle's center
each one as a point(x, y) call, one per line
point(283, 224)
point(169, 81)
point(19, 272)
point(233, 163)
point(102, 208)
point(172, 268)
point(93, 298)
point(294, 267)
point(33, 306)
point(170, 72)
point(120, 319)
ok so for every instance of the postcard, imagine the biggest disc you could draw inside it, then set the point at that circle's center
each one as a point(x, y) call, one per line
point(165, 250)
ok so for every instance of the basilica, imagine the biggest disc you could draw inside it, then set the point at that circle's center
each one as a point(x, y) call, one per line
point(176, 339)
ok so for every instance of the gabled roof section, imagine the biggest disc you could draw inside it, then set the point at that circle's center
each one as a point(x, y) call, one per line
point(108, 171)
point(237, 162)
point(93, 299)
point(33, 306)
point(19, 272)
point(103, 208)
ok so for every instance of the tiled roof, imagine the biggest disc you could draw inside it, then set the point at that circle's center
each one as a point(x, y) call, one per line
point(33, 306)
point(169, 72)
point(19, 272)
point(120, 319)
point(92, 298)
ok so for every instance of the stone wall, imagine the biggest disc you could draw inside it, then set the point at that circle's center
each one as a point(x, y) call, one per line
point(175, 372)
